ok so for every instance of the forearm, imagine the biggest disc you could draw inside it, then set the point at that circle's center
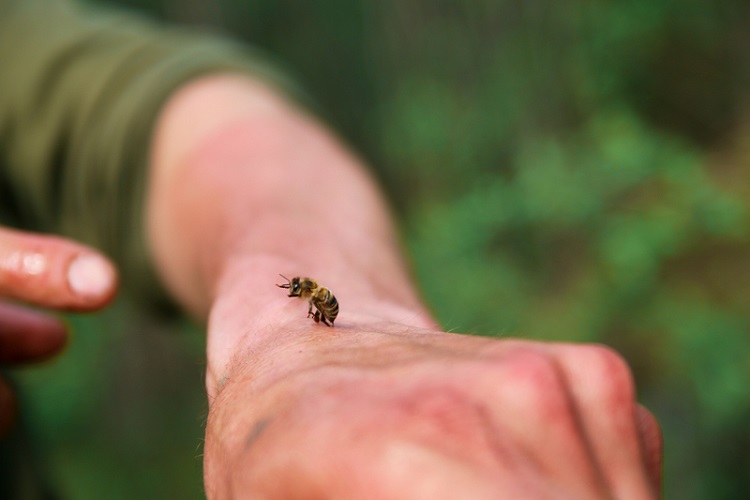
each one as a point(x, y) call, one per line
point(244, 186)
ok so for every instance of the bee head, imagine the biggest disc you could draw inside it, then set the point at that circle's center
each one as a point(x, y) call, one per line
point(292, 285)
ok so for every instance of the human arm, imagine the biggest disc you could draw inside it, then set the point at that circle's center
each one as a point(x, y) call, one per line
point(245, 186)
point(306, 206)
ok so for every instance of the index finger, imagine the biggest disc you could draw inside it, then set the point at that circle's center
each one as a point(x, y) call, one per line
point(53, 272)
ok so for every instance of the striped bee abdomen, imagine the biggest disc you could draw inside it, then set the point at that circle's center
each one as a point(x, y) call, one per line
point(326, 305)
point(325, 302)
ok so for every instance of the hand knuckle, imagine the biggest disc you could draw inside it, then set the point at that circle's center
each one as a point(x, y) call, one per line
point(610, 374)
point(535, 380)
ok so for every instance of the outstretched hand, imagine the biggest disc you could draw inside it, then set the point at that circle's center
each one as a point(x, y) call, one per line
point(46, 272)
point(381, 412)
point(373, 408)
point(243, 187)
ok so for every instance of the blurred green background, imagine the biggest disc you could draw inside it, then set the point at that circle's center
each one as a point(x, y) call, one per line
point(572, 170)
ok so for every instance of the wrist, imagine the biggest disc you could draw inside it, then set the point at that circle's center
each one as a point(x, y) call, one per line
point(253, 322)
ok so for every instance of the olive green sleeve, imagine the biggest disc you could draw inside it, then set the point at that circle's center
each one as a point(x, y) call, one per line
point(80, 91)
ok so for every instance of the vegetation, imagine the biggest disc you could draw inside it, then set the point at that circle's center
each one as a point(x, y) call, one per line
point(562, 170)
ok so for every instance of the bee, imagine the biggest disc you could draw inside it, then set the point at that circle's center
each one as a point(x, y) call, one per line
point(326, 305)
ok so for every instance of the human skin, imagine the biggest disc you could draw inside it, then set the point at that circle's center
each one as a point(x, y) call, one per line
point(383, 405)
point(393, 412)
point(49, 272)
point(245, 186)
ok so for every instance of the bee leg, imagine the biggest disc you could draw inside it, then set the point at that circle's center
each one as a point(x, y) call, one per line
point(309, 311)
point(316, 317)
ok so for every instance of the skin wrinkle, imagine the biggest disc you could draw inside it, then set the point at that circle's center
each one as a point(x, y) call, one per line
point(508, 457)
point(428, 406)
point(289, 378)
point(347, 297)
point(539, 374)
point(578, 420)
point(438, 405)
point(286, 388)
point(260, 369)
point(502, 453)
point(247, 367)
point(272, 336)
point(614, 395)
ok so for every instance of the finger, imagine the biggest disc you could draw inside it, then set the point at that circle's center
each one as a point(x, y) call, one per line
point(52, 272)
point(604, 393)
point(652, 444)
point(533, 410)
point(28, 336)
point(7, 408)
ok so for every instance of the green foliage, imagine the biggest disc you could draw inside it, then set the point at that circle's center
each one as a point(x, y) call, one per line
point(118, 415)
point(564, 171)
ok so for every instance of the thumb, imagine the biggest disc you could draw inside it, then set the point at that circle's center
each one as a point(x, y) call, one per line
point(53, 272)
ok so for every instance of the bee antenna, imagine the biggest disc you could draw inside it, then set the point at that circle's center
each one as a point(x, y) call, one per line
point(285, 285)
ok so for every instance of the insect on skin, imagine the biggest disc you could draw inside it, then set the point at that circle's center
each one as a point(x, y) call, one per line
point(326, 305)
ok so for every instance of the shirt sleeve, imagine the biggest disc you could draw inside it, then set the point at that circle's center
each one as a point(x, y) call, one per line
point(80, 90)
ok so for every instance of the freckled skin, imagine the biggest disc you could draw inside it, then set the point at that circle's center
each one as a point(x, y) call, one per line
point(326, 305)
